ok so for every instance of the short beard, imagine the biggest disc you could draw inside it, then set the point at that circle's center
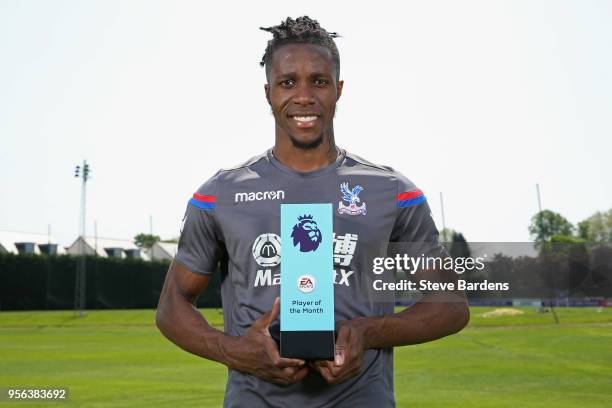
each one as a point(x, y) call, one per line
point(306, 145)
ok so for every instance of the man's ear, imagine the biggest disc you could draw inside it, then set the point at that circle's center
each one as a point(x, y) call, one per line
point(339, 89)
point(267, 88)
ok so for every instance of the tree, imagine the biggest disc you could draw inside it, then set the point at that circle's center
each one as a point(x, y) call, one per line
point(454, 242)
point(145, 240)
point(547, 223)
point(597, 228)
point(459, 246)
point(567, 239)
point(446, 234)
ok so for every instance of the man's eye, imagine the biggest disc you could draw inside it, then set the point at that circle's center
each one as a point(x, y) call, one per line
point(321, 82)
point(287, 83)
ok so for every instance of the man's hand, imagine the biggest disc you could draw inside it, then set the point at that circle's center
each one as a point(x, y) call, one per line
point(256, 353)
point(348, 359)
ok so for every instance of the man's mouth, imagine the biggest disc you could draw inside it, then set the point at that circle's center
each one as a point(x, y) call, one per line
point(305, 121)
point(305, 118)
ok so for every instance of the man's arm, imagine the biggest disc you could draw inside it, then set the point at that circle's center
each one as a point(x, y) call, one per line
point(255, 352)
point(427, 320)
point(436, 315)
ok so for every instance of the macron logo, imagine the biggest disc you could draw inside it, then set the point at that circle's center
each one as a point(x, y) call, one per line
point(259, 196)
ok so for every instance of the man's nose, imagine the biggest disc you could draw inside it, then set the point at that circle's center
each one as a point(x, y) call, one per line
point(303, 95)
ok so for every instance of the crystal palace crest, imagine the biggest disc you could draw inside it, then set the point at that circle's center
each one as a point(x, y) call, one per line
point(351, 205)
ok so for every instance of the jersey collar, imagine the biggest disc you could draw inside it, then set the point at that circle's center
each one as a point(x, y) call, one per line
point(319, 172)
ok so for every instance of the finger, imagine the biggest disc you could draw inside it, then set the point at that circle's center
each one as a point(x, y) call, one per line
point(326, 374)
point(352, 366)
point(300, 374)
point(316, 365)
point(292, 372)
point(346, 371)
point(327, 369)
point(340, 371)
point(272, 314)
point(291, 362)
point(290, 375)
point(342, 345)
point(275, 310)
point(266, 318)
point(325, 363)
point(277, 360)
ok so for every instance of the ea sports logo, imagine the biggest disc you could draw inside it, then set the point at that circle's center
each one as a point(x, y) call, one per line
point(267, 250)
point(306, 283)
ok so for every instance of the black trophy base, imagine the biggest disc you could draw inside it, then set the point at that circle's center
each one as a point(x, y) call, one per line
point(307, 345)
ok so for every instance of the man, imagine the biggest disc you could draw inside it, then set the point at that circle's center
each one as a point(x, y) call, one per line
point(233, 220)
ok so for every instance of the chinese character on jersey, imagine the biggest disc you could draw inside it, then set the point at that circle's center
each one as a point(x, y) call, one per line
point(344, 248)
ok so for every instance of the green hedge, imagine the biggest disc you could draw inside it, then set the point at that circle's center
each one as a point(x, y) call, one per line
point(42, 282)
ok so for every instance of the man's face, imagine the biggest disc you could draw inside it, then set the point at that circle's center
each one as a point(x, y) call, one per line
point(302, 90)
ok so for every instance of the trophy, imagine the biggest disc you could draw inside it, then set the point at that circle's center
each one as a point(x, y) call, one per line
point(307, 282)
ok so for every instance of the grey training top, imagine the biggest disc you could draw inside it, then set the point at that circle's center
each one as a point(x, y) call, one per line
point(232, 225)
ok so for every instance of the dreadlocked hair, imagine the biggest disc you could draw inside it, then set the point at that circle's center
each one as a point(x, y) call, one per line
point(303, 30)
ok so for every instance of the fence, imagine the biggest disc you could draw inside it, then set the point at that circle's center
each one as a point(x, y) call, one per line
point(41, 282)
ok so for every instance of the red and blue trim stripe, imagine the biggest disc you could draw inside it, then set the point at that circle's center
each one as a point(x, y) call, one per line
point(205, 202)
point(410, 198)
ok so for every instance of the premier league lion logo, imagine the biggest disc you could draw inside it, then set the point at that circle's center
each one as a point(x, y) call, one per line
point(306, 232)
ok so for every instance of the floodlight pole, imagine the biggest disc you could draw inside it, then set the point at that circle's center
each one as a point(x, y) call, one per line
point(540, 220)
point(539, 209)
point(443, 218)
point(80, 287)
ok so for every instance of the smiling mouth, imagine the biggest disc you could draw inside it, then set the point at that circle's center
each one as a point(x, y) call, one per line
point(305, 121)
point(305, 118)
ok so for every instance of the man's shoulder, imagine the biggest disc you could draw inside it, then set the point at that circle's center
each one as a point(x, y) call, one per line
point(244, 165)
point(364, 166)
point(353, 158)
point(230, 175)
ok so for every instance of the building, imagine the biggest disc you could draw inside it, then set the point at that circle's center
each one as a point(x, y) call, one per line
point(31, 243)
point(163, 251)
point(106, 248)
point(14, 242)
point(488, 250)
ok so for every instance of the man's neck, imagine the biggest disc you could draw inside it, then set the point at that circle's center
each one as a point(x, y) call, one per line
point(305, 160)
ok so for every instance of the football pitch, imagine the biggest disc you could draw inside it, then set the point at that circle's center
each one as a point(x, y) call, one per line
point(119, 359)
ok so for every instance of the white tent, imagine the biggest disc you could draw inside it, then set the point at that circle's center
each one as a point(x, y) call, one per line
point(163, 251)
point(106, 248)
point(15, 242)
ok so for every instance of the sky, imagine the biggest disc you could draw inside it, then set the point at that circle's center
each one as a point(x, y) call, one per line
point(479, 100)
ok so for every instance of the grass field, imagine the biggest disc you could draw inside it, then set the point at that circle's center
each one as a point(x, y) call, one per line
point(119, 359)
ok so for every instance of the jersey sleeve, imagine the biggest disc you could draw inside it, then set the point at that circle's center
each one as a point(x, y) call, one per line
point(200, 245)
point(414, 223)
